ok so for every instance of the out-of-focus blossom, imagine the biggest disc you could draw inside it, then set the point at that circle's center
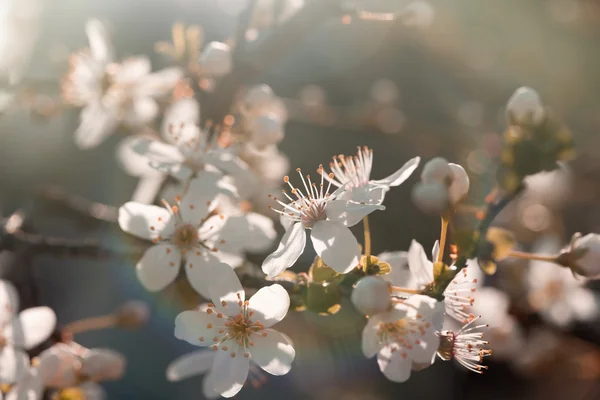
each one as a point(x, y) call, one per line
point(442, 185)
point(555, 293)
point(112, 93)
point(371, 295)
point(239, 332)
point(354, 174)
point(215, 59)
point(187, 232)
point(525, 106)
point(403, 336)
point(19, 333)
point(263, 116)
point(327, 217)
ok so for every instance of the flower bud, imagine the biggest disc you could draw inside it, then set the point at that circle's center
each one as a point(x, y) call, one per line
point(266, 129)
point(216, 59)
point(132, 315)
point(459, 187)
point(371, 295)
point(431, 197)
point(436, 170)
point(525, 106)
point(589, 263)
point(258, 97)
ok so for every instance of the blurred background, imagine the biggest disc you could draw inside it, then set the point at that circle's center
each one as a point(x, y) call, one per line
point(432, 85)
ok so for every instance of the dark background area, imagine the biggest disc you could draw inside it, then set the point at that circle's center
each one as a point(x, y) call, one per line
point(452, 80)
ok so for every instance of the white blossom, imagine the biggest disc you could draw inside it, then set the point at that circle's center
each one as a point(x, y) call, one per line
point(239, 331)
point(263, 116)
point(215, 59)
point(186, 232)
point(112, 93)
point(589, 264)
point(442, 185)
point(525, 106)
point(327, 217)
point(371, 295)
point(19, 333)
point(403, 337)
point(354, 174)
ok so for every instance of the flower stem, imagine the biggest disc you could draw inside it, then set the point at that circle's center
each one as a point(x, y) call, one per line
point(367, 231)
point(444, 231)
point(404, 290)
point(530, 256)
point(92, 324)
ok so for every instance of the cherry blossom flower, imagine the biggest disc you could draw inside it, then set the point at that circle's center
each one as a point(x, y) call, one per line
point(555, 293)
point(327, 217)
point(239, 331)
point(403, 337)
point(354, 174)
point(465, 346)
point(19, 333)
point(112, 93)
point(263, 116)
point(186, 232)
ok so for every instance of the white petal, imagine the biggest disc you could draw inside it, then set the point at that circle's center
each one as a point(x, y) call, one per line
point(140, 111)
point(232, 259)
point(188, 365)
point(208, 384)
point(398, 177)
point(252, 232)
point(435, 251)
point(395, 367)
point(349, 213)
point(336, 245)
point(367, 194)
point(370, 339)
point(131, 155)
point(33, 327)
point(147, 189)
point(96, 124)
point(226, 289)
point(200, 197)
point(92, 391)
point(59, 366)
point(103, 365)
point(132, 70)
point(229, 373)
point(274, 352)
point(100, 44)
point(459, 188)
point(30, 387)
point(145, 221)
point(13, 365)
point(9, 300)
point(287, 253)
point(159, 266)
point(418, 263)
point(271, 304)
point(202, 269)
point(184, 111)
point(216, 59)
point(400, 274)
point(159, 83)
point(192, 326)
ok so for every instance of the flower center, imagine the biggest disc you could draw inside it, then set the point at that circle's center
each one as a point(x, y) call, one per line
point(393, 331)
point(72, 393)
point(186, 237)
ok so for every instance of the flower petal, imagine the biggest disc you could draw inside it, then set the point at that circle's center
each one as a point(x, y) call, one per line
point(184, 111)
point(251, 231)
point(271, 304)
point(159, 266)
point(394, 366)
point(96, 123)
point(202, 269)
point(349, 213)
point(435, 251)
point(103, 365)
point(30, 387)
point(289, 250)
point(336, 245)
point(208, 384)
point(419, 265)
point(188, 365)
point(367, 194)
point(13, 365)
point(9, 300)
point(370, 340)
point(100, 44)
point(400, 274)
point(132, 69)
point(229, 373)
point(398, 177)
point(226, 291)
point(200, 197)
point(159, 83)
point(192, 326)
point(146, 221)
point(59, 366)
point(33, 327)
point(274, 352)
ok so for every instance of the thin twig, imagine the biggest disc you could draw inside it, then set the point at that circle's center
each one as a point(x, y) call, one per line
point(79, 204)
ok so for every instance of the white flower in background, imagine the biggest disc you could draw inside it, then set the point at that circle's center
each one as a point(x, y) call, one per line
point(112, 93)
point(263, 116)
point(525, 106)
point(505, 336)
point(403, 336)
point(354, 174)
point(554, 292)
point(239, 332)
point(327, 217)
point(215, 59)
point(465, 346)
point(443, 185)
point(589, 264)
point(19, 333)
point(186, 232)
point(458, 296)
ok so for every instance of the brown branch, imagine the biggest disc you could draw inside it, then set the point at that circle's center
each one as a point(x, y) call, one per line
point(79, 204)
